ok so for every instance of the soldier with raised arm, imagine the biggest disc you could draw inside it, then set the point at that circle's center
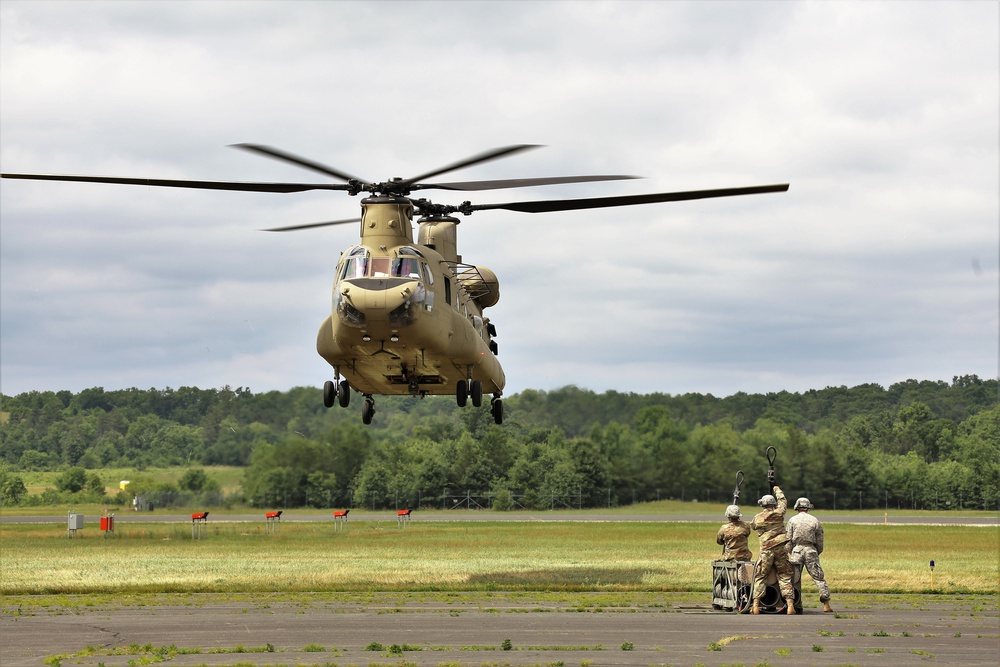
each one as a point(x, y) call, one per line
point(770, 527)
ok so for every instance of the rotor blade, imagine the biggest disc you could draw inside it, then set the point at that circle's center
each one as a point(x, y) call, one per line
point(516, 183)
point(175, 183)
point(494, 154)
point(626, 200)
point(310, 225)
point(296, 160)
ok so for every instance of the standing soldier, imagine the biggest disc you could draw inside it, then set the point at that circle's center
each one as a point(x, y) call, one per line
point(770, 527)
point(733, 536)
point(805, 533)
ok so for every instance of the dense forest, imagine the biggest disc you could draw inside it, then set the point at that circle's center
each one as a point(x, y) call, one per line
point(917, 444)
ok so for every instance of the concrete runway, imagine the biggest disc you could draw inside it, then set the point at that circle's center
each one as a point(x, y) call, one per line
point(470, 629)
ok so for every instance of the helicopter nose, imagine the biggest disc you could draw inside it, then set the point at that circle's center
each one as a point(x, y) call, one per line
point(395, 304)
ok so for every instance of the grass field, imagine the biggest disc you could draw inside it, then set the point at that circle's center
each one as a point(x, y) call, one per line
point(467, 556)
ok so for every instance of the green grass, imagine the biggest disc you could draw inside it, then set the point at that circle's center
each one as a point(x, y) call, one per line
point(454, 556)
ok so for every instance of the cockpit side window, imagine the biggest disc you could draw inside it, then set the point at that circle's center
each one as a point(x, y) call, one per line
point(403, 267)
point(355, 267)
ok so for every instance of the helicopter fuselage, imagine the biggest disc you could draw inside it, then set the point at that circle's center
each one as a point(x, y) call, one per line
point(407, 318)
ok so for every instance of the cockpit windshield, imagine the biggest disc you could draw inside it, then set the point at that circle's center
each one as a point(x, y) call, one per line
point(358, 265)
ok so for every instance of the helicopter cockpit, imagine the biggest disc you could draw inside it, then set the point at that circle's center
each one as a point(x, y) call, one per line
point(407, 270)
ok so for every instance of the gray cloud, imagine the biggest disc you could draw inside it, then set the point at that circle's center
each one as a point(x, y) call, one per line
point(880, 263)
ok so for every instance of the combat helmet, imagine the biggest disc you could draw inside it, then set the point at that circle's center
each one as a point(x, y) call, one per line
point(733, 512)
point(767, 501)
point(803, 504)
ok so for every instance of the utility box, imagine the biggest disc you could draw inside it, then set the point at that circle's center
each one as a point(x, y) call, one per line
point(74, 522)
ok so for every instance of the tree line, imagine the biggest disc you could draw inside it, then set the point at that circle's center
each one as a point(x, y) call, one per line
point(915, 444)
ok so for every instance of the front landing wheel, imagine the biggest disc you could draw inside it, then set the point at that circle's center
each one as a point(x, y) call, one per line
point(476, 392)
point(329, 393)
point(344, 393)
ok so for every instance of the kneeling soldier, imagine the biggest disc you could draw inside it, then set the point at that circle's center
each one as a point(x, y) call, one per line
point(734, 535)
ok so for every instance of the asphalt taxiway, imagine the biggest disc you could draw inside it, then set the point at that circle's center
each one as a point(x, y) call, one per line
point(472, 630)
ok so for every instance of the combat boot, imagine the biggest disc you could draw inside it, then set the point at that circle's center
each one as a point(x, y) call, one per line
point(790, 603)
point(826, 607)
point(756, 607)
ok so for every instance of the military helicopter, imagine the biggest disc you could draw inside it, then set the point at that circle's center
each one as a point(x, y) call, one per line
point(407, 316)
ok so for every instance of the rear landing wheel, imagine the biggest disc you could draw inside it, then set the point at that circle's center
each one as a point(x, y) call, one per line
point(497, 409)
point(368, 410)
point(462, 393)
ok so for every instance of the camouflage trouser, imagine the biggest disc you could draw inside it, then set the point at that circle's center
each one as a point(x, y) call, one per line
point(776, 558)
point(809, 557)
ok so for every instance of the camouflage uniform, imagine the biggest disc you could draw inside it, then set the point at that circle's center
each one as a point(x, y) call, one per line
point(805, 533)
point(733, 536)
point(770, 527)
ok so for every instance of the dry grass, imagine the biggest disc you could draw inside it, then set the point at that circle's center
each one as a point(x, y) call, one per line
point(465, 556)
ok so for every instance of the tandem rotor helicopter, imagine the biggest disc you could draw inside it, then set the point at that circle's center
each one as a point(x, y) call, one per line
point(408, 315)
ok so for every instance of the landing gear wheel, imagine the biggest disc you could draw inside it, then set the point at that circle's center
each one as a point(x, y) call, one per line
point(497, 409)
point(462, 393)
point(368, 410)
point(344, 393)
point(494, 348)
point(476, 391)
point(329, 393)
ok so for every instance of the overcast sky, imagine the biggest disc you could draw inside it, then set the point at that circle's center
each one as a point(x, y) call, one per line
point(879, 264)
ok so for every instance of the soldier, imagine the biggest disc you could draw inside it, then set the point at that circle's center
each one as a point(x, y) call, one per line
point(733, 536)
point(805, 534)
point(770, 527)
